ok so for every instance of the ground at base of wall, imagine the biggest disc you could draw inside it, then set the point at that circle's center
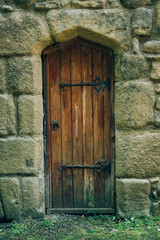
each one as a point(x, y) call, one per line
point(72, 227)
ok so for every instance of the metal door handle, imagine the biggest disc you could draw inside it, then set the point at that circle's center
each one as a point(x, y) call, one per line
point(55, 124)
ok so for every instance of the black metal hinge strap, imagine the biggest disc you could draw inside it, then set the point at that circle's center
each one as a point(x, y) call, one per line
point(97, 84)
point(99, 167)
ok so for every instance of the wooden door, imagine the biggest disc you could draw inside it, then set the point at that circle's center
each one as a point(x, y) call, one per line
point(78, 90)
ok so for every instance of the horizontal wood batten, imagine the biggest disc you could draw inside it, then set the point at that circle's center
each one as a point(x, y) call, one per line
point(81, 210)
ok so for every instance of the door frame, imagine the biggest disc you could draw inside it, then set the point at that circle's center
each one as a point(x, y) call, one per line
point(45, 127)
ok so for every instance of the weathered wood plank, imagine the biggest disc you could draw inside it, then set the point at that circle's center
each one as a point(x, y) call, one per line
point(107, 126)
point(55, 133)
point(77, 124)
point(66, 117)
point(49, 132)
point(98, 118)
point(87, 127)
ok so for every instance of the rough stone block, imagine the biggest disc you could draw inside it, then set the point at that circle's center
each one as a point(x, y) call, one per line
point(1, 210)
point(155, 74)
point(10, 194)
point(157, 119)
point(29, 30)
point(158, 104)
point(25, 75)
point(88, 4)
point(152, 47)
point(155, 189)
point(142, 22)
point(134, 103)
point(157, 10)
point(114, 3)
point(132, 197)
point(65, 2)
point(7, 115)
point(108, 27)
point(155, 209)
point(2, 75)
point(130, 67)
point(21, 155)
point(157, 88)
point(137, 154)
point(135, 3)
point(33, 198)
point(30, 111)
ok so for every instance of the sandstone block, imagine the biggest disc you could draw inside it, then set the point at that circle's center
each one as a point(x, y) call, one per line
point(158, 104)
point(1, 210)
point(25, 75)
point(7, 116)
point(2, 75)
point(134, 103)
point(157, 9)
point(157, 88)
point(157, 119)
point(114, 3)
point(137, 154)
point(29, 30)
point(108, 27)
point(88, 4)
point(130, 67)
point(132, 197)
point(30, 109)
point(152, 47)
point(21, 155)
point(10, 194)
point(155, 73)
point(33, 198)
point(135, 3)
point(142, 22)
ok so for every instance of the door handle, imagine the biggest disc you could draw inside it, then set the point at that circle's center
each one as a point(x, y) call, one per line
point(55, 124)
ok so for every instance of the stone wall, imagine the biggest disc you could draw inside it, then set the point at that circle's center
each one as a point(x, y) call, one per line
point(132, 29)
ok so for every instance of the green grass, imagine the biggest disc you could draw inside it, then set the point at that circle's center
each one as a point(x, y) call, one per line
point(72, 227)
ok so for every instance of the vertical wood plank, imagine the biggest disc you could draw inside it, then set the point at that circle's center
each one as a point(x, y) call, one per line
point(77, 124)
point(98, 118)
point(87, 128)
point(107, 70)
point(55, 133)
point(49, 156)
point(66, 101)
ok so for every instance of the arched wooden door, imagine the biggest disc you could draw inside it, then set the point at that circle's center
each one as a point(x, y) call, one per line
point(78, 89)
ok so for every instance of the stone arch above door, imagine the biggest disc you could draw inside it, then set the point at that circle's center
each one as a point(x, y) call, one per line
point(110, 28)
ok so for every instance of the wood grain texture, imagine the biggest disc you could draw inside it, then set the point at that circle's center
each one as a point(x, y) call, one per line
point(77, 124)
point(107, 70)
point(87, 127)
point(55, 133)
point(98, 119)
point(86, 132)
point(49, 131)
point(66, 115)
